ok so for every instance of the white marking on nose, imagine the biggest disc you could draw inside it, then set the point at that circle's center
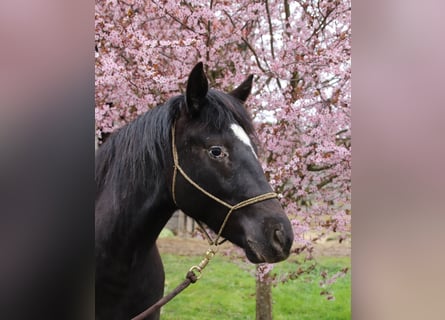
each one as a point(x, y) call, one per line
point(242, 135)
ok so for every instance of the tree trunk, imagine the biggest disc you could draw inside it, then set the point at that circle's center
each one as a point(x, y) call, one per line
point(263, 298)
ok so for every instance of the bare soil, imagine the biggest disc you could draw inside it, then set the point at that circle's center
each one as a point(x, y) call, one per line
point(193, 246)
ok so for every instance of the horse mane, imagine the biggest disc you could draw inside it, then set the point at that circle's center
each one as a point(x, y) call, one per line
point(135, 154)
point(133, 159)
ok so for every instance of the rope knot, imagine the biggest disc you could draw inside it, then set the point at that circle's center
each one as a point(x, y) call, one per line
point(192, 276)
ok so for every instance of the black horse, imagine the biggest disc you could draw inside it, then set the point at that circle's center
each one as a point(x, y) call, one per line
point(135, 197)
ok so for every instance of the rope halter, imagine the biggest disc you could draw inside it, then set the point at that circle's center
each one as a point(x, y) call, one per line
point(239, 205)
point(195, 272)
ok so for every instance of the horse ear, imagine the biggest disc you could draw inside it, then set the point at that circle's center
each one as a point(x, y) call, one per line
point(197, 87)
point(243, 90)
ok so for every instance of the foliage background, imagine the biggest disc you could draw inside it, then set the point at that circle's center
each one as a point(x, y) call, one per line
point(299, 52)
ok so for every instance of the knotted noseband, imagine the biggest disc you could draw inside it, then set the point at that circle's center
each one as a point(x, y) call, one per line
point(239, 205)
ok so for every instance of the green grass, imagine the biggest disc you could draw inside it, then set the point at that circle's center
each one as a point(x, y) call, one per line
point(301, 299)
point(227, 291)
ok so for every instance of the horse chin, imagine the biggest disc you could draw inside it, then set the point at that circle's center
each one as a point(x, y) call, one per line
point(253, 256)
point(256, 253)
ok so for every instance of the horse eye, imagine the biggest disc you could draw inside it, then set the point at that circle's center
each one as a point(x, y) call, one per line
point(216, 152)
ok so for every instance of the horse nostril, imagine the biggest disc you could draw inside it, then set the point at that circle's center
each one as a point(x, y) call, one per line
point(279, 237)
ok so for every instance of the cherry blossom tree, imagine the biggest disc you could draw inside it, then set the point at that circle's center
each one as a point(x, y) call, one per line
point(299, 52)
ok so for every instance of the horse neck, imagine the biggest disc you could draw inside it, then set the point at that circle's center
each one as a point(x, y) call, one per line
point(135, 223)
point(155, 212)
point(134, 200)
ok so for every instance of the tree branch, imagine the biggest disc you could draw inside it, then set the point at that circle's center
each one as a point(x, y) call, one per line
point(326, 181)
point(176, 19)
point(269, 21)
point(272, 51)
point(315, 168)
point(209, 30)
point(254, 54)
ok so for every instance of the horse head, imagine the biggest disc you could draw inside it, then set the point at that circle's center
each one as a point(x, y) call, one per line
point(214, 142)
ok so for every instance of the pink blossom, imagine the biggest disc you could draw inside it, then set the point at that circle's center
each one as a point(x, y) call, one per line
point(301, 100)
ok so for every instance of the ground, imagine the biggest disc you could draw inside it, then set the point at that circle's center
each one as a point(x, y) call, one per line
point(193, 246)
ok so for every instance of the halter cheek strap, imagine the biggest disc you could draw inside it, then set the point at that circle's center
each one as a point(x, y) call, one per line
point(244, 203)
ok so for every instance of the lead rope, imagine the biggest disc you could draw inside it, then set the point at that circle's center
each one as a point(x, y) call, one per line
point(195, 272)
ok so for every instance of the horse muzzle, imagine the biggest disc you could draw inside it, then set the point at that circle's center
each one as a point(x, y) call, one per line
point(273, 245)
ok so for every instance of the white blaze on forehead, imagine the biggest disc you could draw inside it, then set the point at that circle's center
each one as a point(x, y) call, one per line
point(242, 135)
